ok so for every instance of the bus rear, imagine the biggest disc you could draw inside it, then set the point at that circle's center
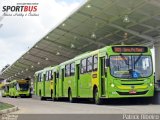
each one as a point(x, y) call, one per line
point(129, 72)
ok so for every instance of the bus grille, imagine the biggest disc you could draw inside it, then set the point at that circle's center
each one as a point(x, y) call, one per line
point(133, 84)
point(127, 93)
point(131, 80)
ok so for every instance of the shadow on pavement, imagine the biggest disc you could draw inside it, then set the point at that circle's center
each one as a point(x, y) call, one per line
point(117, 102)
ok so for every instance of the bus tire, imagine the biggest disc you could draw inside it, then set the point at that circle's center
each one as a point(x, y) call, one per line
point(96, 98)
point(41, 97)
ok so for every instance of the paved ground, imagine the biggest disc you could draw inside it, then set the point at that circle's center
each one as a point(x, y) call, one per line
point(35, 106)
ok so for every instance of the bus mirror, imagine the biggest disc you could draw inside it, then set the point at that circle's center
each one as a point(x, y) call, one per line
point(107, 62)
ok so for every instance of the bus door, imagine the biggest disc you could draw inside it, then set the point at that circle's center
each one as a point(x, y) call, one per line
point(102, 75)
point(36, 85)
point(55, 84)
point(77, 81)
point(43, 83)
point(62, 81)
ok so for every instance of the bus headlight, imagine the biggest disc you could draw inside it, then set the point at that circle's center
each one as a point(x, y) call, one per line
point(151, 84)
point(112, 85)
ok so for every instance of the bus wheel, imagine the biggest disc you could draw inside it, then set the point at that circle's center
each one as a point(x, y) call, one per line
point(71, 99)
point(96, 98)
point(42, 98)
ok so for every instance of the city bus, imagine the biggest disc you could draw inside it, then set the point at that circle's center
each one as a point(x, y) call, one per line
point(109, 72)
point(5, 89)
point(19, 88)
point(44, 86)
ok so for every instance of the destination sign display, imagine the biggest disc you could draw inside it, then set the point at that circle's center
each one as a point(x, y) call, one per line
point(129, 49)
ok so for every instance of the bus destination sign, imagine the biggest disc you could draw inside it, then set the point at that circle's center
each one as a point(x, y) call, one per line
point(129, 49)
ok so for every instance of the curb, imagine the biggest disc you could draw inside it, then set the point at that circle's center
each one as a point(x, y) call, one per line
point(13, 109)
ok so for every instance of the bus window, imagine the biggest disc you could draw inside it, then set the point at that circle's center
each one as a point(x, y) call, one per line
point(49, 75)
point(72, 69)
point(83, 66)
point(6, 88)
point(67, 70)
point(39, 77)
point(46, 75)
point(89, 64)
point(95, 63)
point(17, 86)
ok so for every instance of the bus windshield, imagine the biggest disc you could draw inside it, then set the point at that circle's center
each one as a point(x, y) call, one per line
point(6, 89)
point(131, 66)
point(24, 87)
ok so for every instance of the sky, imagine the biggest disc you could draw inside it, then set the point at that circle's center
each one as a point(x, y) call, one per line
point(18, 34)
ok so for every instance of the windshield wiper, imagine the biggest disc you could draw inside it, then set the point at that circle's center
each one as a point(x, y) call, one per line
point(124, 58)
point(135, 62)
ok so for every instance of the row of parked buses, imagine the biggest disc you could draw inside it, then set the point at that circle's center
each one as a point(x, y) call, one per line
point(110, 72)
point(17, 88)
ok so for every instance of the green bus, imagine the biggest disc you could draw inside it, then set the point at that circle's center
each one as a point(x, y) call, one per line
point(44, 86)
point(110, 72)
point(5, 89)
point(19, 88)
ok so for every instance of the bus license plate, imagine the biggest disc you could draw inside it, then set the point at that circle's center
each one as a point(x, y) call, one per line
point(132, 92)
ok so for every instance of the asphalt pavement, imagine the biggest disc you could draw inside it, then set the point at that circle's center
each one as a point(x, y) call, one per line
point(35, 106)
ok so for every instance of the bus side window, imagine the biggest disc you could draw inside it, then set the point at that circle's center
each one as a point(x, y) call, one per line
point(52, 76)
point(95, 63)
point(46, 75)
point(49, 75)
point(38, 78)
point(89, 64)
point(83, 66)
point(17, 86)
point(67, 70)
point(72, 69)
